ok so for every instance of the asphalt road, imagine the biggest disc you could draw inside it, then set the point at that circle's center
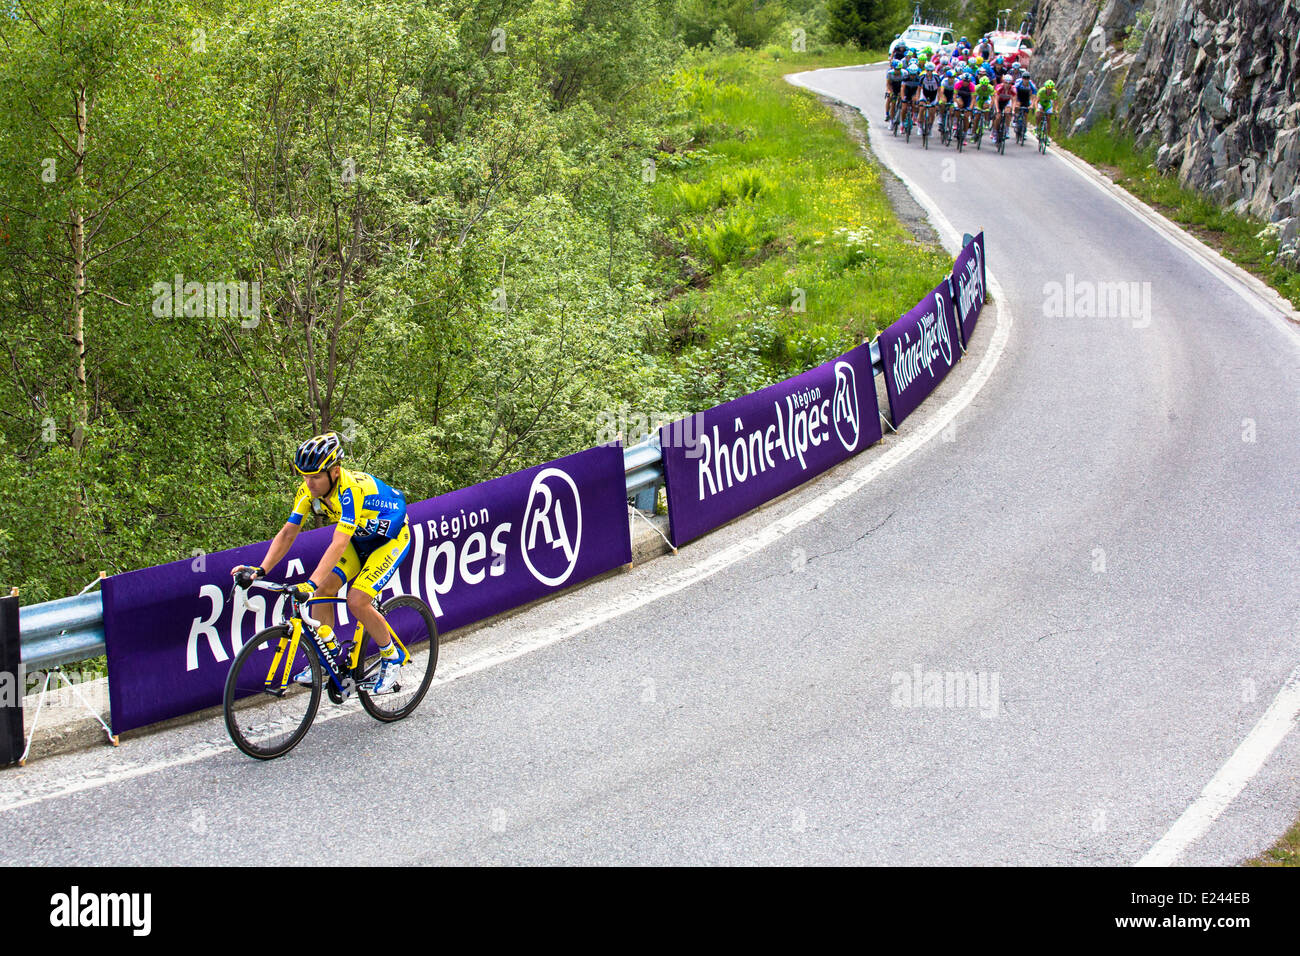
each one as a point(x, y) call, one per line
point(1096, 515)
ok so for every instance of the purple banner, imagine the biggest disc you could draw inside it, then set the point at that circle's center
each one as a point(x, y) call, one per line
point(750, 450)
point(918, 351)
point(171, 634)
point(968, 287)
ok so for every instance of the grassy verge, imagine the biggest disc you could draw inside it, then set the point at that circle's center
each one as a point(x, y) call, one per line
point(1286, 852)
point(1243, 239)
point(778, 247)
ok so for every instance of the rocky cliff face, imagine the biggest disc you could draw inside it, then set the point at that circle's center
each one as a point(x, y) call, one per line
point(1213, 83)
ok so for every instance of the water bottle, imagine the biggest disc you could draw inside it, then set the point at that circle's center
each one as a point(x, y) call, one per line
point(327, 635)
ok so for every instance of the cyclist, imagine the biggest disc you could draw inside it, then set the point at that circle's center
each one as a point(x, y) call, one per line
point(371, 540)
point(894, 86)
point(911, 87)
point(1025, 91)
point(930, 84)
point(1005, 92)
point(947, 89)
point(899, 51)
point(985, 47)
point(1046, 97)
point(984, 96)
point(964, 88)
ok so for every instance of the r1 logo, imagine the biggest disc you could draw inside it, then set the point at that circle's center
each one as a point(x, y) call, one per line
point(552, 530)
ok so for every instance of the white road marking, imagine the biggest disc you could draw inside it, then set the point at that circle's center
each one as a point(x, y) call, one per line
point(1232, 777)
point(631, 600)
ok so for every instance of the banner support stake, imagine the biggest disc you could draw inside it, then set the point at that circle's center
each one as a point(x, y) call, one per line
point(102, 575)
point(112, 737)
point(637, 511)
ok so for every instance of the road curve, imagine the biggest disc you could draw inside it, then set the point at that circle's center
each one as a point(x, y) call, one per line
point(1096, 515)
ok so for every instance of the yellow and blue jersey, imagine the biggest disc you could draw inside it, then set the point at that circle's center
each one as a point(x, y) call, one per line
point(361, 504)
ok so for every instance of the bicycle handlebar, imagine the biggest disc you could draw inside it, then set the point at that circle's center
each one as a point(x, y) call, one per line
point(299, 603)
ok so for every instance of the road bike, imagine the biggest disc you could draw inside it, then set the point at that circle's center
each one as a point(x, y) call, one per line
point(927, 119)
point(891, 105)
point(1043, 138)
point(945, 123)
point(981, 122)
point(907, 122)
point(1020, 124)
point(268, 714)
point(963, 118)
point(1000, 132)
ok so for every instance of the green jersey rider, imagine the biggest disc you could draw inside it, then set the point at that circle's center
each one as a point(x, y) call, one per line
point(1046, 98)
point(371, 540)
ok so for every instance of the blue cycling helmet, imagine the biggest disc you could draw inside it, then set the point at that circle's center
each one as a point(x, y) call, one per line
point(949, 75)
point(317, 454)
point(914, 72)
point(929, 66)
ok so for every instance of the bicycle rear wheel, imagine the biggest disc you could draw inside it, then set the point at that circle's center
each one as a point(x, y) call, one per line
point(267, 723)
point(415, 624)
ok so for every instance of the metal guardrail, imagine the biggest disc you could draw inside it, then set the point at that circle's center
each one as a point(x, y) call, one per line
point(62, 631)
point(72, 629)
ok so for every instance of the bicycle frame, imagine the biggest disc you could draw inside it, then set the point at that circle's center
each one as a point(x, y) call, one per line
point(301, 622)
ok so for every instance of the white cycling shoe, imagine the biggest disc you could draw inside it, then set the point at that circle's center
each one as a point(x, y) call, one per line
point(386, 679)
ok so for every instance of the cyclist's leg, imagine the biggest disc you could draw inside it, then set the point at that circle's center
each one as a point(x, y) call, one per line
point(348, 566)
point(380, 566)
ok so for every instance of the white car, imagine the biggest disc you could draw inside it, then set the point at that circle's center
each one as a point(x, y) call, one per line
point(922, 35)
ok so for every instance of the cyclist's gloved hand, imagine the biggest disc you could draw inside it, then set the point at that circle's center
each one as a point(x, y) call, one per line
point(304, 590)
point(245, 575)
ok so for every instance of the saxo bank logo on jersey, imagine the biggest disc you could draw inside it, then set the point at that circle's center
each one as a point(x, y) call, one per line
point(552, 529)
point(845, 409)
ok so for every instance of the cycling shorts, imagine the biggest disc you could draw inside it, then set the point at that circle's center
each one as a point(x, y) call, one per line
point(369, 569)
point(964, 99)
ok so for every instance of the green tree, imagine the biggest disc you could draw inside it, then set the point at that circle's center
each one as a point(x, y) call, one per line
point(871, 24)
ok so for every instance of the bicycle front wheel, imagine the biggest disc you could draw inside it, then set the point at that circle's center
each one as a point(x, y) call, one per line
point(414, 623)
point(269, 721)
